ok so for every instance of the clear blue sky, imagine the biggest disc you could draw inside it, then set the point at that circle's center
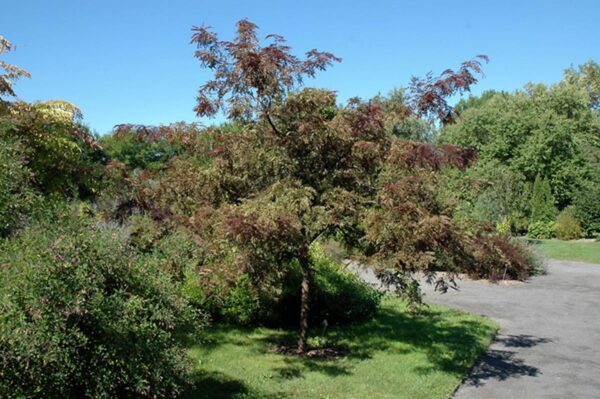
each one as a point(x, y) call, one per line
point(131, 61)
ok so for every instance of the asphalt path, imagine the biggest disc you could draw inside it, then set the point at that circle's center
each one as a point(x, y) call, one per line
point(548, 345)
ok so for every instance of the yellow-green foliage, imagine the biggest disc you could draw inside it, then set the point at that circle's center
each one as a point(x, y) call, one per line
point(567, 225)
point(503, 227)
point(62, 154)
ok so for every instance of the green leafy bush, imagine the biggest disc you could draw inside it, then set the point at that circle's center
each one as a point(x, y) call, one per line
point(135, 153)
point(568, 226)
point(16, 195)
point(242, 305)
point(541, 229)
point(144, 232)
point(338, 296)
point(61, 152)
point(82, 316)
point(587, 205)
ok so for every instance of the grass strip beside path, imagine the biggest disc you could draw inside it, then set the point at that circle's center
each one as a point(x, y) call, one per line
point(583, 251)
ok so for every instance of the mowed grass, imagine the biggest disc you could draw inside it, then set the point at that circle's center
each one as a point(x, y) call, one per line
point(569, 250)
point(393, 356)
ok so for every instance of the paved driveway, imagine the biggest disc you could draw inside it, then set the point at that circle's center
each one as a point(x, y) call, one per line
point(549, 341)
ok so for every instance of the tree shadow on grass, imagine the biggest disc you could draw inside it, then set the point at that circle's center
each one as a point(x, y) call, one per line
point(295, 367)
point(214, 385)
point(450, 345)
point(450, 341)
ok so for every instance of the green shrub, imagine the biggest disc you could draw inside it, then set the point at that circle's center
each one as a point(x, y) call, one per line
point(542, 201)
point(242, 304)
point(239, 302)
point(587, 206)
point(82, 316)
point(541, 230)
point(568, 226)
point(144, 232)
point(337, 296)
point(16, 195)
point(340, 296)
point(139, 152)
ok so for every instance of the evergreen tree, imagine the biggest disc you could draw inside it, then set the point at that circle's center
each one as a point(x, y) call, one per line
point(542, 201)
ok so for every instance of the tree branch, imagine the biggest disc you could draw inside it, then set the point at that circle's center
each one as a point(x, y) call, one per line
point(272, 124)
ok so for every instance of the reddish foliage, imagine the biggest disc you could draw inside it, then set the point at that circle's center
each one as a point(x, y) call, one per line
point(459, 157)
point(414, 154)
point(412, 194)
point(179, 132)
point(365, 120)
point(429, 95)
point(248, 77)
point(496, 257)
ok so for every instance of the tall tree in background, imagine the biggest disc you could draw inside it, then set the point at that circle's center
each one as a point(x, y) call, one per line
point(551, 131)
point(60, 152)
point(586, 76)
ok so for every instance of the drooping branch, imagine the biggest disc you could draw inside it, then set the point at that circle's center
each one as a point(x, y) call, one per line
point(429, 95)
point(10, 72)
point(273, 124)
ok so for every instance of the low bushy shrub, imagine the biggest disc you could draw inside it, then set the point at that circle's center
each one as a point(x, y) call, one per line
point(568, 226)
point(541, 229)
point(243, 305)
point(82, 316)
point(502, 257)
point(338, 296)
point(144, 232)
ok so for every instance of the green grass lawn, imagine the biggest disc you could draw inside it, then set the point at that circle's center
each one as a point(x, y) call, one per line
point(393, 356)
point(569, 250)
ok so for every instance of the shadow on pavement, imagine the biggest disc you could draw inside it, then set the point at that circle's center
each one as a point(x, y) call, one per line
point(500, 364)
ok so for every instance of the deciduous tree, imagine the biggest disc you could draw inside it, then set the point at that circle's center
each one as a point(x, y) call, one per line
point(302, 168)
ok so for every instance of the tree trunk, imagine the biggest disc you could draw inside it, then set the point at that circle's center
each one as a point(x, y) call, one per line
point(304, 304)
